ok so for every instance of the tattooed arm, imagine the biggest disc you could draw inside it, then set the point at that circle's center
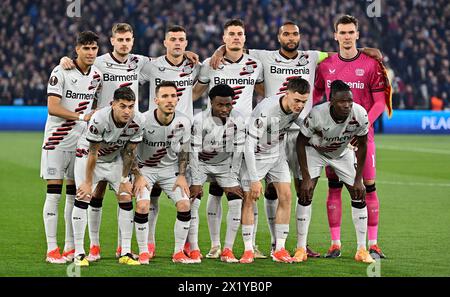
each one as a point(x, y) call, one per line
point(183, 158)
point(128, 158)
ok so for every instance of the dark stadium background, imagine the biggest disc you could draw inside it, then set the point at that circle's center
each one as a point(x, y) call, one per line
point(413, 36)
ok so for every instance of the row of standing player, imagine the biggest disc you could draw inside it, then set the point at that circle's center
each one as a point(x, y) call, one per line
point(281, 65)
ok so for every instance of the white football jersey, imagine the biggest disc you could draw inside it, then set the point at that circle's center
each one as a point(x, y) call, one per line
point(161, 143)
point(112, 139)
point(330, 138)
point(77, 92)
point(117, 74)
point(183, 75)
point(216, 143)
point(279, 69)
point(268, 125)
point(241, 75)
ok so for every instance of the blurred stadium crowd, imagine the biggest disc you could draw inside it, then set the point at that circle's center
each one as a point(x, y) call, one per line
point(413, 36)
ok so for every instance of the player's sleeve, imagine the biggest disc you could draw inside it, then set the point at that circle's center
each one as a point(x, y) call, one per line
point(321, 56)
point(255, 130)
point(364, 122)
point(145, 73)
point(55, 86)
point(137, 137)
point(239, 142)
point(308, 125)
point(95, 128)
point(196, 147)
point(260, 78)
point(256, 53)
point(204, 75)
point(319, 85)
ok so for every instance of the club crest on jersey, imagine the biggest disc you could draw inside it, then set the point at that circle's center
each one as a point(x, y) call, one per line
point(53, 81)
point(302, 61)
point(187, 69)
point(249, 69)
point(93, 129)
point(258, 123)
point(132, 66)
point(359, 72)
point(94, 83)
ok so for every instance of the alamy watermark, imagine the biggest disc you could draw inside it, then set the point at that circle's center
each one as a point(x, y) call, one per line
point(374, 269)
point(73, 9)
point(73, 270)
point(373, 10)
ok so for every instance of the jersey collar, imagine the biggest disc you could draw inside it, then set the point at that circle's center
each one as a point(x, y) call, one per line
point(237, 61)
point(117, 61)
point(79, 69)
point(161, 124)
point(286, 57)
point(281, 106)
point(351, 59)
point(177, 65)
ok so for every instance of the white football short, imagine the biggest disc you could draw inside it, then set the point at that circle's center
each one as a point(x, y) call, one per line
point(57, 164)
point(344, 167)
point(275, 171)
point(104, 171)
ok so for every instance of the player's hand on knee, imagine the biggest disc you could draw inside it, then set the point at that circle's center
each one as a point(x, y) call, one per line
point(256, 190)
point(195, 190)
point(234, 190)
point(66, 63)
point(84, 191)
point(359, 191)
point(306, 189)
point(182, 183)
point(139, 185)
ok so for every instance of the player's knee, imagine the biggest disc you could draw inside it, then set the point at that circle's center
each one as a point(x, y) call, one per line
point(335, 184)
point(71, 190)
point(126, 205)
point(232, 196)
point(358, 204)
point(370, 186)
point(140, 217)
point(143, 206)
point(54, 189)
point(183, 205)
point(215, 190)
point(271, 192)
point(156, 191)
point(184, 216)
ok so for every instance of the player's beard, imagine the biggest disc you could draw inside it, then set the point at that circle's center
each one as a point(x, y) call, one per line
point(285, 47)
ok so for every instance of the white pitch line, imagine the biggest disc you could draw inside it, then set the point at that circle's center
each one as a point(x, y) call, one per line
point(414, 149)
point(403, 183)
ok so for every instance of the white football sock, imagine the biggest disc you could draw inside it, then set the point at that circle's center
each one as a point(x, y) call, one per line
point(153, 218)
point(68, 208)
point(126, 229)
point(141, 229)
point(50, 214)
point(94, 222)
point(233, 222)
point(282, 232)
point(195, 221)
point(214, 218)
point(303, 219)
point(247, 235)
point(79, 222)
point(359, 216)
point(181, 230)
point(271, 211)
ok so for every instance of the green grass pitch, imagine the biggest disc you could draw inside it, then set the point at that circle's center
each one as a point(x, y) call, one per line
point(413, 186)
